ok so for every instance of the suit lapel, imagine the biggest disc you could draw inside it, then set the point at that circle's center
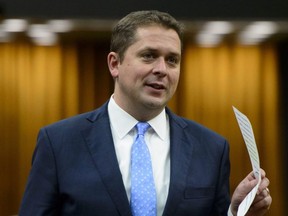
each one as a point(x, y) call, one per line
point(180, 155)
point(99, 140)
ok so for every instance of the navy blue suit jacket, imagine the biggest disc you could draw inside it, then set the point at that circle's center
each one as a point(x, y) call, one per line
point(75, 170)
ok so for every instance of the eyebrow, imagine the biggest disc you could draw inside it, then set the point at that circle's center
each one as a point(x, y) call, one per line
point(150, 49)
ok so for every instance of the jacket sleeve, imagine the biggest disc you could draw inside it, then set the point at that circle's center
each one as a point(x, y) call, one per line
point(222, 200)
point(41, 194)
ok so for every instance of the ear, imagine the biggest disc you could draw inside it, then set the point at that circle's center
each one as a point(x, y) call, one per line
point(113, 64)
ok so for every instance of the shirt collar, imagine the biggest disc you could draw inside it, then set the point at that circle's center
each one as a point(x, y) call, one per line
point(122, 122)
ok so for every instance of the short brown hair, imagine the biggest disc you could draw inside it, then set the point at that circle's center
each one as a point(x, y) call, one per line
point(123, 33)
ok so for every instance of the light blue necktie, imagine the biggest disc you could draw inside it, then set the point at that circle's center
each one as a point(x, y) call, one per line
point(143, 193)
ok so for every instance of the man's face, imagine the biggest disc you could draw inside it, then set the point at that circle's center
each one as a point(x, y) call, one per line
point(148, 75)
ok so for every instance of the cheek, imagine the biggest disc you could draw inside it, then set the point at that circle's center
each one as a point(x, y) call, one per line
point(131, 78)
point(174, 78)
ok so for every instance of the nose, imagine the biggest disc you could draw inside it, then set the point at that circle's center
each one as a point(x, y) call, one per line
point(160, 67)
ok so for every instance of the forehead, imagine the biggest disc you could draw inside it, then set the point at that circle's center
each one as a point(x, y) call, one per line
point(157, 36)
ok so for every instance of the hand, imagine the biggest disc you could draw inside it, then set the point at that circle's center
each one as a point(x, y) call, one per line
point(262, 200)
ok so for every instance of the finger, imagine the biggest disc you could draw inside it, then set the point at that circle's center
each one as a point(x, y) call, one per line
point(263, 173)
point(263, 185)
point(252, 176)
point(262, 204)
point(245, 187)
point(261, 195)
point(250, 183)
point(267, 191)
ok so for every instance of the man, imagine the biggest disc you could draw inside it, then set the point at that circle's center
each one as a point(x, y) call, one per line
point(85, 165)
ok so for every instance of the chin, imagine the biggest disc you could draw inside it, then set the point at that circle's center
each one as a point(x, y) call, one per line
point(156, 104)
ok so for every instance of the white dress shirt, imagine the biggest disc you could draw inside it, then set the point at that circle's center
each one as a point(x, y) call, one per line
point(157, 139)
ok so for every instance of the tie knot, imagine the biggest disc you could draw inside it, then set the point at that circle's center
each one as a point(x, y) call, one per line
point(142, 127)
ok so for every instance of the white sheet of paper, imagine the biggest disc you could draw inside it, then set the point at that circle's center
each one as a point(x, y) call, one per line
point(248, 135)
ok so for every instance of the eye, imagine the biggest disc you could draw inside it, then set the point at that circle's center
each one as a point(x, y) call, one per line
point(173, 60)
point(148, 56)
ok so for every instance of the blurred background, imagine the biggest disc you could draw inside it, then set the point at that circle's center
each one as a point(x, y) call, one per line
point(53, 65)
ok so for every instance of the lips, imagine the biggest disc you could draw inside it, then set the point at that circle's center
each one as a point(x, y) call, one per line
point(158, 86)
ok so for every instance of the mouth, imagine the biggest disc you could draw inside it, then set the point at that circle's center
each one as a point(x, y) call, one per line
point(156, 86)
